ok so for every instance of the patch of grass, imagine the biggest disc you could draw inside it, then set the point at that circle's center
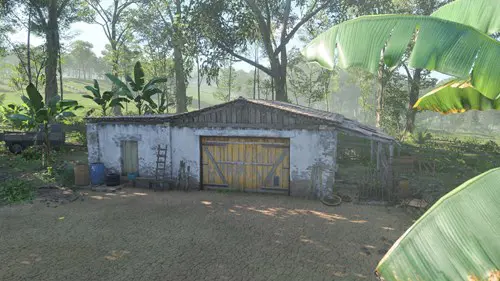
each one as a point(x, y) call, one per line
point(17, 190)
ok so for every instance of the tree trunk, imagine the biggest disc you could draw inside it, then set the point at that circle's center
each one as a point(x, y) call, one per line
point(380, 93)
point(255, 73)
point(414, 92)
point(230, 79)
point(199, 81)
point(52, 39)
point(180, 86)
point(117, 110)
point(60, 72)
point(28, 45)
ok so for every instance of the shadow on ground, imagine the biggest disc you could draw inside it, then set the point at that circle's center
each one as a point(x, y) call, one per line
point(135, 234)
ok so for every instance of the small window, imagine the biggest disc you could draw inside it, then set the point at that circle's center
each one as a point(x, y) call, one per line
point(130, 157)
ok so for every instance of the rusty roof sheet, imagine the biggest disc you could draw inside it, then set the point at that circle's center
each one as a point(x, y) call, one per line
point(335, 119)
point(301, 110)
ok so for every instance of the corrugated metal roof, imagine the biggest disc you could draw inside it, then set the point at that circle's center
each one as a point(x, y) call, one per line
point(155, 118)
point(335, 119)
point(301, 110)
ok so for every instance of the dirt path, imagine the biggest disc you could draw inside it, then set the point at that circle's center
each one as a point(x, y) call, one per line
point(142, 235)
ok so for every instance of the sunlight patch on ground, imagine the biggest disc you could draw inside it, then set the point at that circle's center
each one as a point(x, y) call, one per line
point(358, 221)
point(98, 197)
point(116, 255)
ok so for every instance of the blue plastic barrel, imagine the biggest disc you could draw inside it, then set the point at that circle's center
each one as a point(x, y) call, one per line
point(97, 174)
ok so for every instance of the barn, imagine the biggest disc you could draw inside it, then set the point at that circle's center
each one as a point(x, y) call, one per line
point(244, 144)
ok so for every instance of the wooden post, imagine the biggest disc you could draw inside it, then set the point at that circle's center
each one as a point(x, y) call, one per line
point(372, 151)
point(379, 152)
point(391, 174)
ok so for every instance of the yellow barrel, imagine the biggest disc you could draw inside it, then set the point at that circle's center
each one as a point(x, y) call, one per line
point(81, 174)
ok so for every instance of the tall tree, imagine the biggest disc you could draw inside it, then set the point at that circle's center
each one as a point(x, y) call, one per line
point(83, 57)
point(177, 18)
point(49, 17)
point(116, 23)
point(231, 27)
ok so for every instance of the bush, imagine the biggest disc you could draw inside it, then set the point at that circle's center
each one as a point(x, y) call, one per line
point(32, 153)
point(16, 190)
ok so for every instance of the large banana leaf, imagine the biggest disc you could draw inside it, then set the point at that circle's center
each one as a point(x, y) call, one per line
point(458, 238)
point(445, 46)
point(484, 15)
point(456, 97)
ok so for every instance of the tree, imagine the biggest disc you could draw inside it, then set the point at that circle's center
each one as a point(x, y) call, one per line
point(24, 70)
point(137, 90)
point(226, 84)
point(231, 26)
point(39, 113)
point(116, 22)
point(48, 18)
point(177, 19)
point(105, 101)
point(83, 58)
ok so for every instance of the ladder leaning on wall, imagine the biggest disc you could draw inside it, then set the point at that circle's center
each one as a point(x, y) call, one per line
point(161, 167)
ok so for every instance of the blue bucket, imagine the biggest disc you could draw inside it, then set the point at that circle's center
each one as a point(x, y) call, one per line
point(97, 174)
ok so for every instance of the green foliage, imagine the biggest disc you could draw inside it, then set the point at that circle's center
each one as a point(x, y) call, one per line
point(479, 14)
point(105, 100)
point(19, 77)
point(138, 91)
point(38, 113)
point(441, 45)
point(454, 240)
point(32, 153)
point(421, 137)
point(309, 82)
point(456, 96)
point(226, 84)
point(16, 190)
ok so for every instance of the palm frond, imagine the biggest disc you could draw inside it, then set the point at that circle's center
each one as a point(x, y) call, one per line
point(483, 15)
point(456, 239)
point(445, 46)
point(456, 97)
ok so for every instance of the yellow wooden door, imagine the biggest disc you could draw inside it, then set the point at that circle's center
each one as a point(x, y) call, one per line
point(246, 163)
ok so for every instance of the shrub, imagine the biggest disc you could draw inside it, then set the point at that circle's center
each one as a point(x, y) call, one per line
point(16, 190)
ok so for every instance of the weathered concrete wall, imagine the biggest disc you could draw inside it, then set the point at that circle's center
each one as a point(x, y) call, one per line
point(312, 155)
point(104, 144)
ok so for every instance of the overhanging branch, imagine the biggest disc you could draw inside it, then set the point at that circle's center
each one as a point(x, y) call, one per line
point(297, 27)
point(247, 60)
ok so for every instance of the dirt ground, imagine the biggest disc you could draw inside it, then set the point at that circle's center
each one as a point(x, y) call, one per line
point(137, 234)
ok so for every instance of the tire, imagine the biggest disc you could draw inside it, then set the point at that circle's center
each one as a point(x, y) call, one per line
point(16, 148)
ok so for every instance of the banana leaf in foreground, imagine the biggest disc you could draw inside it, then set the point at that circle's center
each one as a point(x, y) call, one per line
point(456, 97)
point(483, 15)
point(458, 238)
point(445, 46)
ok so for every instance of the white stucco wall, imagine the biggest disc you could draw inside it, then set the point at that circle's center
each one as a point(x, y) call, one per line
point(104, 144)
point(312, 153)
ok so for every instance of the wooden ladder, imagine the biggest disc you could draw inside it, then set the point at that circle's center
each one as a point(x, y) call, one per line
point(161, 167)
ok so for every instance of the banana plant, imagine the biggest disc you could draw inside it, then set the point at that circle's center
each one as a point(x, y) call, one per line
point(137, 90)
point(444, 42)
point(38, 113)
point(105, 100)
point(456, 239)
point(456, 97)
